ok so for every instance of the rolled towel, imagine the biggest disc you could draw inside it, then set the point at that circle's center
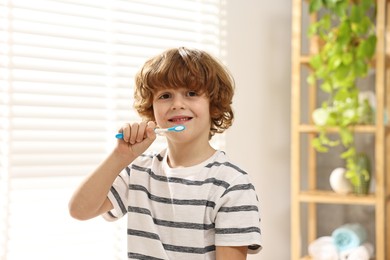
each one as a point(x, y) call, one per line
point(349, 236)
point(323, 248)
point(363, 252)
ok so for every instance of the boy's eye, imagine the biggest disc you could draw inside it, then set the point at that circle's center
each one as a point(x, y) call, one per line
point(192, 94)
point(164, 96)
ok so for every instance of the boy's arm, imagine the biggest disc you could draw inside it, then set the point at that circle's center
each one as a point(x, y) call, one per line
point(90, 198)
point(231, 252)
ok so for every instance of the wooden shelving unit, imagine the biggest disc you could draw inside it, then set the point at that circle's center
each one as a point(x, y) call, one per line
point(312, 196)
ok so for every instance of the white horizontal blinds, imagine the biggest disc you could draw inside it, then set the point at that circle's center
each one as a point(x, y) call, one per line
point(145, 28)
point(66, 72)
point(4, 129)
point(59, 88)
point(59, 115)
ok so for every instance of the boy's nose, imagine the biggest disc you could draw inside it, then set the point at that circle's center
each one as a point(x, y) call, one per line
point(178, 102)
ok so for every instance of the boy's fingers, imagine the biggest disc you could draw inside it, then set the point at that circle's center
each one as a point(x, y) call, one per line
point(150, 130)
point(137, 132)
point(125, 130)
point(141, 132)
point(133, 133)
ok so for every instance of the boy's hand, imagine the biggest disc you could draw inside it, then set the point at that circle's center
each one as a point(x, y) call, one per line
point(137, 137)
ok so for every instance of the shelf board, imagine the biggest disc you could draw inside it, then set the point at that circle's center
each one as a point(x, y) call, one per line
point(309, 258)
point(305, 59)
point(321, 196)
point(306, 128)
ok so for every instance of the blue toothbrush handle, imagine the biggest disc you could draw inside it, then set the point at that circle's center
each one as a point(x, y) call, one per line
point(120, 135)
point(177, 128)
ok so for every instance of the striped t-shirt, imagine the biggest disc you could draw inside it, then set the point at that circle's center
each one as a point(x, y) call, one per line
point(184, 213)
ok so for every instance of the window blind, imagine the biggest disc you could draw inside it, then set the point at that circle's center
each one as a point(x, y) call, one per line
point(66, 75)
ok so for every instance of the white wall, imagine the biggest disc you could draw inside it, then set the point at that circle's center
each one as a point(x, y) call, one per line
point(258, 43)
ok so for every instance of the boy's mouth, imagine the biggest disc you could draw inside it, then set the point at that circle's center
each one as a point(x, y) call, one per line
point(180, 119)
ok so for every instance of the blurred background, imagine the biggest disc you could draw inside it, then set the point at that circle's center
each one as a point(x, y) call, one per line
point(66, 77)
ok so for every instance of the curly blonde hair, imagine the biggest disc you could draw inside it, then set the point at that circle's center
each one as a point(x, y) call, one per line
point(193, 69)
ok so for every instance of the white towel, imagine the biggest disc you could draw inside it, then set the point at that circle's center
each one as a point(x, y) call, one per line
point(363, 252)
point(323, 248)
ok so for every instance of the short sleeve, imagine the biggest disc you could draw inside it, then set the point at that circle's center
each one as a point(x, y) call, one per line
point(237, 221)
point(118, 195)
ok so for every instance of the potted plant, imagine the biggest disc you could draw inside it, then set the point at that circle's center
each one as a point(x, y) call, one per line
point(347, 34)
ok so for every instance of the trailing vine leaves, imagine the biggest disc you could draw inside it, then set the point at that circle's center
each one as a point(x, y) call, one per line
point(346, 33)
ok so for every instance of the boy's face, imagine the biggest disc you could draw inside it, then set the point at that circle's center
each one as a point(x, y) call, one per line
point(183, 107)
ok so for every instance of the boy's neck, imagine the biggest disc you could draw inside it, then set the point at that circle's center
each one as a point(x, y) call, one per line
point(186, 155)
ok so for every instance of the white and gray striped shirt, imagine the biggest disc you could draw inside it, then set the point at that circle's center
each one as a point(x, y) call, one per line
point(184, 213)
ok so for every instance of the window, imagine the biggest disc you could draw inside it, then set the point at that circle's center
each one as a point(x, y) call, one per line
point(66, 72)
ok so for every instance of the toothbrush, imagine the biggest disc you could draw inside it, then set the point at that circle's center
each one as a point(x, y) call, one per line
point(159, 131)
point(176, 128)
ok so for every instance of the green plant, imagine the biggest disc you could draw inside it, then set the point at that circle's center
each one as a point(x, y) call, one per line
point(361, 181)
point(346, 33)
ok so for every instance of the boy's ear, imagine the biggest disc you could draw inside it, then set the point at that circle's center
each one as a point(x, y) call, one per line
point(214, 113)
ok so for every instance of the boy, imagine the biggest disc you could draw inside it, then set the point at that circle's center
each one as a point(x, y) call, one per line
point(188, 201)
